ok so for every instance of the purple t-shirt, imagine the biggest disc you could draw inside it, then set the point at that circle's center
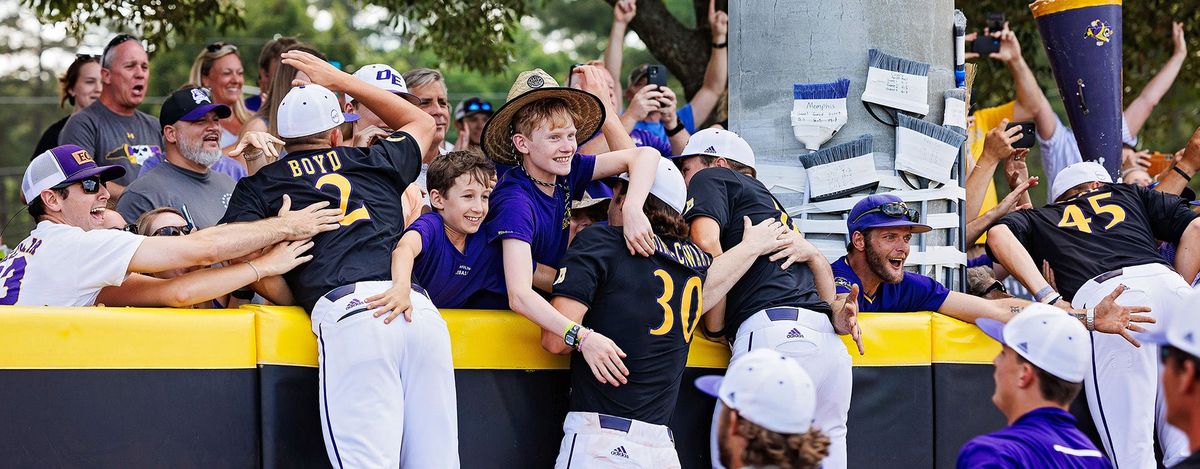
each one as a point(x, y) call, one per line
point(915, 292)
point(1044, 437)
point(470, 279)
point(519, 210)
point(645, 138)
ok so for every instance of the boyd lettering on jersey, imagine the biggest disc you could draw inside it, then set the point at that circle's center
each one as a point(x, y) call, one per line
point(314, 164)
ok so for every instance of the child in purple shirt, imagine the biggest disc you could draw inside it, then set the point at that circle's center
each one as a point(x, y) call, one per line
point(536, 132)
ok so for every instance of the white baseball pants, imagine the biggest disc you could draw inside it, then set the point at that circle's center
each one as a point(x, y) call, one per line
point(592, 440)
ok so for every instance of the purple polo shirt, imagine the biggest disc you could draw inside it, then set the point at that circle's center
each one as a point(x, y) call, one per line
point(470, 279)
point(646, 138)
point(1044, 437)
point(519, 210)
point(915, 292)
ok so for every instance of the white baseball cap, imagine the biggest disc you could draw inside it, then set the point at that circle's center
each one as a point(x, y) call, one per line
point(310, 109)
point(719, 142)
point(668, 184)
point(768, 389)
point(387, 78)
point(1076, 174)
point(1048, 338)
point(1181, 328)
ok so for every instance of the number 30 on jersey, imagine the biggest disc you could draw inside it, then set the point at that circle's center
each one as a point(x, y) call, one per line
point(690, 305)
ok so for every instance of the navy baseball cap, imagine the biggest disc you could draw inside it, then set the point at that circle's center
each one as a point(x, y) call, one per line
point(62, 165)
point(883, 211)
point(190, 105)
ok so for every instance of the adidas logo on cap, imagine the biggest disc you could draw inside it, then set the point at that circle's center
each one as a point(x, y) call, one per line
point(710, 149)
point(620, 451)
point(795, 334)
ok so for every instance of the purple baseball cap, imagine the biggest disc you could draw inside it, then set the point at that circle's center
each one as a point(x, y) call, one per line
point(870, 213)
point(61, 165)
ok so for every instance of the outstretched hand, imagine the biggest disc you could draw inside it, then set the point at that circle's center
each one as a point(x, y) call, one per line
point(1178, 38)
point(1113, 318)
point(845, 319)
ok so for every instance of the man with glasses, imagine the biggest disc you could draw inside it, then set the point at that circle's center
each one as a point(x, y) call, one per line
point(872, 273)
point(68, 258)
point(191, 129)
point(1097, 235)
point(113, 128)
point(469, 118)
point(1179, 353)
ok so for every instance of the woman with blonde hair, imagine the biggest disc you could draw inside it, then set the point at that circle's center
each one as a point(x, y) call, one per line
point(219, 68)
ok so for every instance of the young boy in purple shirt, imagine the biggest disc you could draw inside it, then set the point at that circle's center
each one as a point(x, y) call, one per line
point(1039, 371)
point(536, 131)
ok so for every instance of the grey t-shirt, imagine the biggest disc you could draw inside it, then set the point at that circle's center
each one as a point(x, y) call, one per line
point(113, 139)
point(206, 196)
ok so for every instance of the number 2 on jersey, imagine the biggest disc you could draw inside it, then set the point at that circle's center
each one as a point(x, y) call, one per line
point(689, 317)
point(1073, 216)
point(343, 186)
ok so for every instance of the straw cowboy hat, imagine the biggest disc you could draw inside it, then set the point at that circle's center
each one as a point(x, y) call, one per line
point(531, 86)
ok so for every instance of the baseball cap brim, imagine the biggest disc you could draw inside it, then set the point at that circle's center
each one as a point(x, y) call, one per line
point(710, 384)
point(916, 227)
point(350, 116)
point(202, 110)
point(582, 204)
point(412, 98)
point(106, 173)
point(991, 327)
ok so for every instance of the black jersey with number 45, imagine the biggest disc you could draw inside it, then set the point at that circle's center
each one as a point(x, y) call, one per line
point(648, 306)
point(365, 183)
point(1095, 232)
point(726, 196)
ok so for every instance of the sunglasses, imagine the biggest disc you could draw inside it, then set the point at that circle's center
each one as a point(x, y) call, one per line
point(892, 209)
point(216, 46)
point(116, 41)
point(172, 231)
point(90, 185)
point(87, 58)
point(477, 106)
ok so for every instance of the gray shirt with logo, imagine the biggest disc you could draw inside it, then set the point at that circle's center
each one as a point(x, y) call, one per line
point(206, 195)
point(113, 139)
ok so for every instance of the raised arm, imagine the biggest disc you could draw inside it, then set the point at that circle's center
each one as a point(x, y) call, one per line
point(716, 75)
point(764, 238)
point(997, 147)
point(1171, 181)
point(623, 13)
point(392, 109)
point(641, 164)
point(1010, 203)
point(1031, 101)
point(213, 245)
point(1140, 108)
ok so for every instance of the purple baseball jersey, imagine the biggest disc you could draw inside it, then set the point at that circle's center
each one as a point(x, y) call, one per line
point(1044, 437)
point(470, 279)
point(915, 292)
point(519, 210)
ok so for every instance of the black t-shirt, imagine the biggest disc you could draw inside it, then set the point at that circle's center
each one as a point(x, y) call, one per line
point(1114, 226)
point(366, 183)
point(648, 306)
point(49, 137)
point(726, 196)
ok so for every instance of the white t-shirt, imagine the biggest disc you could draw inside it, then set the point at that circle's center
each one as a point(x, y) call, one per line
point(61, 265)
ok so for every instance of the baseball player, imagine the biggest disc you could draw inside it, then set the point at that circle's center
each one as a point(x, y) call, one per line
point(1097, 235)
point(69, 257)
point(881, 227)
point(1179, 343)
point(1039, 371)
point(650, 307)
point(387, 391)
point(767, 403)
point(771, 306)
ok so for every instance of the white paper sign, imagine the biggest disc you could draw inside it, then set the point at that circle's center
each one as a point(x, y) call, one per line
point(897, 90)
point(923, 155)
point(829, 178)
point(829, 113)
point(956, 113)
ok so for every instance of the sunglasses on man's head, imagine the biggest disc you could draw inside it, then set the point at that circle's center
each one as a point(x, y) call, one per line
point(216, 46)
point(87, 57)
point(894, 210)
point(116, 41)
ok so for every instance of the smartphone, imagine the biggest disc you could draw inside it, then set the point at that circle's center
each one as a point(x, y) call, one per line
point(1159, 162)
point(656, 74)
point(1028, 138)
point(995, 22)
point(570, 81)
point(984, 45)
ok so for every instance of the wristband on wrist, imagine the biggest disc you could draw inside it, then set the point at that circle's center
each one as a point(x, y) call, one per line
point(678, 128)
point(583, 334)
point(1182, 173)
point(1043, 293)
point(721, 45)
point(571, 335)
point(1091, 319)
point(257, 275)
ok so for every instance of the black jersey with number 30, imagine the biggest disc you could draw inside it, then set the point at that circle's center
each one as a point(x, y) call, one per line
point(1095, 232)
point(726, 196)
point(365, 183)
point(648, 306)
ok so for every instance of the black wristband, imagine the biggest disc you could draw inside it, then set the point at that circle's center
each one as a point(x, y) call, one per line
point(1182, 173)
point(995, 286)
point(721, 45)
point(678, 128)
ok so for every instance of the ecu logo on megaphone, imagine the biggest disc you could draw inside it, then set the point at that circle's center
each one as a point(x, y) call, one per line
point(1101, 31)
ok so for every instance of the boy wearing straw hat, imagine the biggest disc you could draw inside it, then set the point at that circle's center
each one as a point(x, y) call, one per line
point(536, 131)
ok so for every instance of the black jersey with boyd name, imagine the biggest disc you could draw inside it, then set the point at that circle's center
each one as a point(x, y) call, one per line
point(648, 306)
point(1095, 232)
point(365, 183)
point(726, 196)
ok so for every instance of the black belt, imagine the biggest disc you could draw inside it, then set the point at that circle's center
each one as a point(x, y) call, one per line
point(610, 422)
point(341, 292)
point(1104, 277)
